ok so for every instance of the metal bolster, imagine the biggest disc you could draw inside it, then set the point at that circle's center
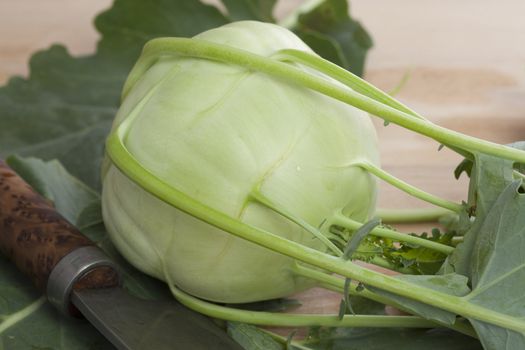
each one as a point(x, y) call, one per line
point(69, 270)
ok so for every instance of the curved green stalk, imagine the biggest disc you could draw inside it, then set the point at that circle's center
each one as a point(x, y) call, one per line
point(341, 220)
point(295, 320)
point(411, 190)
point(149, 182)
point(157, 48)
point(416, 215)
point(262, 199)
point(343, 76)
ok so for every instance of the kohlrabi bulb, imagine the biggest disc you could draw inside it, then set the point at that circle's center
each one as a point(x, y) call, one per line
point(219, 132)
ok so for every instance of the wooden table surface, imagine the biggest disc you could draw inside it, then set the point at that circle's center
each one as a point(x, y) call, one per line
point(465, 60)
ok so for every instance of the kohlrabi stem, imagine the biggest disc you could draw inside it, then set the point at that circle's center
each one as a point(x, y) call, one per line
point(257, 196)
point(395, 216)
point(411, 190)
point(338, 219)
point(125, 161)
point(157, 48)
point(342, 75)
point(298, 320)
point(336, 284)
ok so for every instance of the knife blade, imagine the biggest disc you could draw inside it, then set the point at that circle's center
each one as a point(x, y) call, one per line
point(78, 277)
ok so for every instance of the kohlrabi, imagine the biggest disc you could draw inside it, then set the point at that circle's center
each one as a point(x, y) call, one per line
point(255, 147)
point(241, 167)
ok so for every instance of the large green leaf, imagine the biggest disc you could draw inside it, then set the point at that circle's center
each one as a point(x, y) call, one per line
point(331, 32)
point(488, 178)
point(393, 339)
point(63, 111)
point(129, 24)
point(498, 268)
point(251, 338)
point(259, 10)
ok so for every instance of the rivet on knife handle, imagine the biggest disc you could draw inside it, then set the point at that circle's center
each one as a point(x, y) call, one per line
point(36, 238)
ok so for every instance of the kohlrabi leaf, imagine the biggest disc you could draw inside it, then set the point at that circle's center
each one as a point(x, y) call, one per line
point(259, 10)
point(252, 338)
point(489, 177)
point(63, 111)
point(392, 339)
point(129, 24)
point(364, 306)
point(498, 268)
point(329, 29)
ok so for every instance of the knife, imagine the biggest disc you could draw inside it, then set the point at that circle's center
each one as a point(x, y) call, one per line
point(78, 278)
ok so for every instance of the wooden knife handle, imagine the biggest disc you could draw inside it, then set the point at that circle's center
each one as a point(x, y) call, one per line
point(36, 237)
